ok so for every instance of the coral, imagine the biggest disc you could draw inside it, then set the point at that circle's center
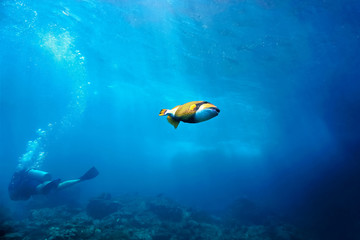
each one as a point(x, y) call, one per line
point(140, 218)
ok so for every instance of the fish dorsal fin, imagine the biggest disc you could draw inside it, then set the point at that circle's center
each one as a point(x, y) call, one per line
point(192, 107)
point(173, 122)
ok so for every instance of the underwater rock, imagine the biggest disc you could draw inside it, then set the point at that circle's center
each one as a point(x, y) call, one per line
point(4, 216)
point(13, 236)
point(167, 213)
point(101, 206)
point(244, 212)
point(256, 232)
point(116, 234)
point(285, 232)
point(166, 210)
point(202, 216)
point(57, 233)
point(140, 218)
point(5, 229)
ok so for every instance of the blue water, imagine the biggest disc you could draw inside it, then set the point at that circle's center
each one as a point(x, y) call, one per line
point(82, 83)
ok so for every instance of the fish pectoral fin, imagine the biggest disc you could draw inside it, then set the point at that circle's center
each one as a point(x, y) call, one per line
point(173, 121)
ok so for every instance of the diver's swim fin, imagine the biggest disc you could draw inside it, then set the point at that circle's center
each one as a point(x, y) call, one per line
point(91, 173)
point(51, 186)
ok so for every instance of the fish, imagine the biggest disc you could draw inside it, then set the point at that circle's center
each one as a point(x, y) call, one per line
point(191, 112)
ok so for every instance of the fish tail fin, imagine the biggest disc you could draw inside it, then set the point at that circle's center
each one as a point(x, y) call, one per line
point(173, 122)
point(163, 112)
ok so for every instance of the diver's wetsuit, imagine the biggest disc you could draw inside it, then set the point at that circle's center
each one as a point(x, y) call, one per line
point(27, 182)
point(22, 185)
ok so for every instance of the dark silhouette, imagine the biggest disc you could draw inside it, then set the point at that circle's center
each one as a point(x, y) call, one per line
point(27, 182)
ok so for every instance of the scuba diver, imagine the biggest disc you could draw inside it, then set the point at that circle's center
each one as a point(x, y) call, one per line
point(27, 182)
